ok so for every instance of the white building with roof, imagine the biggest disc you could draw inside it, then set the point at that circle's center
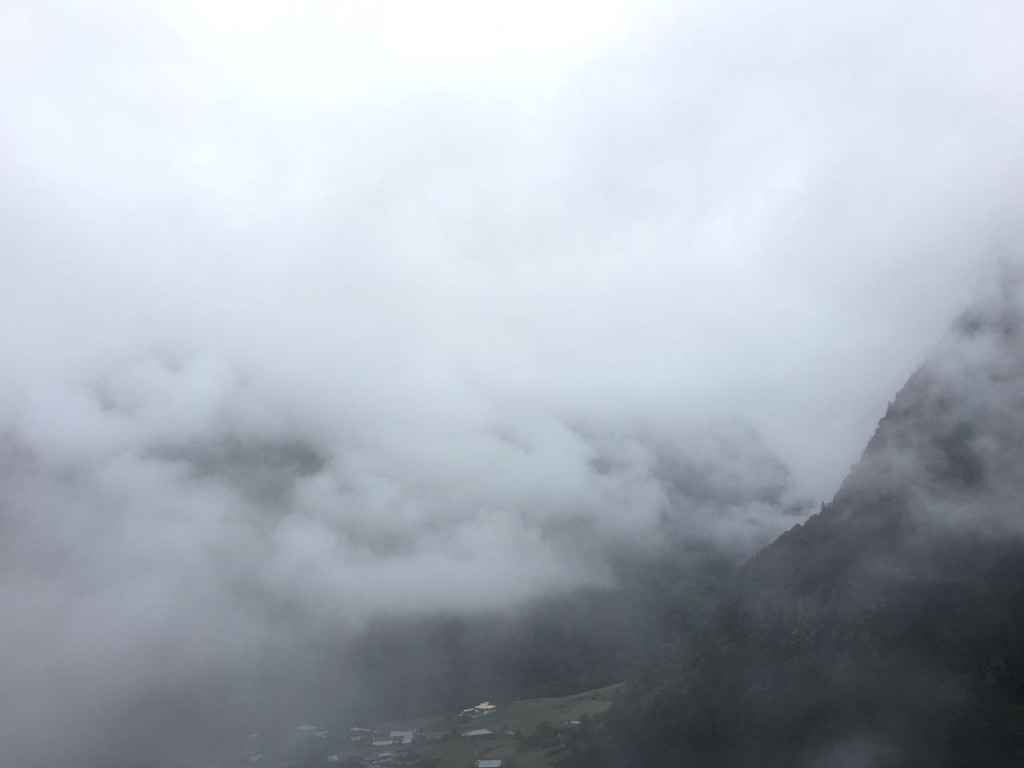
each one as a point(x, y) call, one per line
point(479, 710)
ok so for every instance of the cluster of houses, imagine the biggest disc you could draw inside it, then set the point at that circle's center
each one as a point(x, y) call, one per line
point(393, 738)
point(403, 738)
point(406, 758)
point(307, 745)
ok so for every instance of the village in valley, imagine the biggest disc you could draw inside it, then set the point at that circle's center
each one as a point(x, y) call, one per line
point(524, 734)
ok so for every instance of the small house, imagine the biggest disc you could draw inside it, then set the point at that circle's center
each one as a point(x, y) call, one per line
point(479, 710)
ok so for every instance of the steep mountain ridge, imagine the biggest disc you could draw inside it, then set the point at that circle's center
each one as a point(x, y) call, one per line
point(887, 630)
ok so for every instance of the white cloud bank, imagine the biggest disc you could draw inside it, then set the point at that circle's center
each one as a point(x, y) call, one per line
point(300, 298)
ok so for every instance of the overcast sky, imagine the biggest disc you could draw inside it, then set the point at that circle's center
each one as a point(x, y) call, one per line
point(439, 256)
point(432, 215)
point(432, 219)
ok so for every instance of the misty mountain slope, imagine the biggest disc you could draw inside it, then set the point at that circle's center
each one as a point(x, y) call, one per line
point(367, 356)
point(713, 509)
point(561, 644)
point(888, 630)
point(656, 588)
point(197, 570)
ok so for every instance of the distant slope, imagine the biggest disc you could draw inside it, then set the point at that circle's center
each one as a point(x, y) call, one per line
point(888, 630)
point(560, 645)
point(712, 509)
point(525, 733)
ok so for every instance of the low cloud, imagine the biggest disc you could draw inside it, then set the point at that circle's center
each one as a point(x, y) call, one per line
point(290, 346)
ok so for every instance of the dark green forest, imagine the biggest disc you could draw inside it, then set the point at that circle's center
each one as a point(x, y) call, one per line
point(887, 630)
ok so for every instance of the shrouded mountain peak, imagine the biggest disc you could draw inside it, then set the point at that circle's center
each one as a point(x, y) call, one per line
point(887, 630)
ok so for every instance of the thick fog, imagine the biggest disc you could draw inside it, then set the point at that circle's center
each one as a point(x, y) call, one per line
point(314, 312)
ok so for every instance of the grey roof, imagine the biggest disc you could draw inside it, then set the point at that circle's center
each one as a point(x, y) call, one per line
point(477, 732)
point(488, 764)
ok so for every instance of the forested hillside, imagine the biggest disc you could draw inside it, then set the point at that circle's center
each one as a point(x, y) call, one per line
point(888, 630)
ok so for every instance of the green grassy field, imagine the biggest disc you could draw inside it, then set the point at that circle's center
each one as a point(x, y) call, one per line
point(526, 715)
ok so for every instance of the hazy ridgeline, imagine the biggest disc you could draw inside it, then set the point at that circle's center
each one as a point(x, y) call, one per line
point(364, 358)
